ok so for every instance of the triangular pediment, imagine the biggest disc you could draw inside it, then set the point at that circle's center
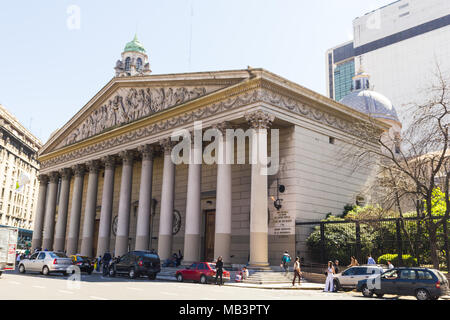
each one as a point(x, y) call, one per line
point(124, 101)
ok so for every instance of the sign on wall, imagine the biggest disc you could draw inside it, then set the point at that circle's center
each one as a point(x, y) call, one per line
point(282, 223)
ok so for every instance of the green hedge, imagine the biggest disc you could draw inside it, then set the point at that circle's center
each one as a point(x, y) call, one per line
point(408, 260)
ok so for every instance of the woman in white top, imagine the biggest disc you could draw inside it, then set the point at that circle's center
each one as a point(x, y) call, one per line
point(329, 281)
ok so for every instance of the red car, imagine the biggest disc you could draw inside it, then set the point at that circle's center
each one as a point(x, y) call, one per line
point(202, 272)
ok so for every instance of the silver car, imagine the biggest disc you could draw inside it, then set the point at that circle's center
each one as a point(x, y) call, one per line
point(348, 279)
point(45, 262)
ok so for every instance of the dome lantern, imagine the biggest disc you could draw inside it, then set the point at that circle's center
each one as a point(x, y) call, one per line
point(134, 60)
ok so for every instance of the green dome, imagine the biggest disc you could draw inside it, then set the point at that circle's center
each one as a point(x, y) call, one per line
point(134, 45)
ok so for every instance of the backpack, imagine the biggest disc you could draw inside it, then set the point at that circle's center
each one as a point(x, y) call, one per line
point(288, 259)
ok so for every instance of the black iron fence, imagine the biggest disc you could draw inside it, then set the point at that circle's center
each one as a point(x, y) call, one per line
point(404, 241)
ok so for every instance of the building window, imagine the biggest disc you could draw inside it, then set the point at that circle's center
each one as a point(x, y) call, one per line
point(332, 140)
point(360, 201)
point(139, 64)
point(127, 63)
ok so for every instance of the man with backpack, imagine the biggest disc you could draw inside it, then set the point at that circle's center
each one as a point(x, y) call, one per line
point(285, 260)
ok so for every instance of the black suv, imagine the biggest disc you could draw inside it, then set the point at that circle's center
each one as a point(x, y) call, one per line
point(135, 264)
point(423, 283)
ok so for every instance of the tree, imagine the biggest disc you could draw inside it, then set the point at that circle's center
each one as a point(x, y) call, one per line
point(421, 164)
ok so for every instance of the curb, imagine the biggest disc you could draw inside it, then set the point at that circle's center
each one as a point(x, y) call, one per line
point(273, 288)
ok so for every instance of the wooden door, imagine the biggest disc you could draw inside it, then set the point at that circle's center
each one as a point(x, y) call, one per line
point(96, 230)
point(210, 226)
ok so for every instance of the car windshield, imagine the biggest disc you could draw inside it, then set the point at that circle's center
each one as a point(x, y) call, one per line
point(57, 255)
point(80, 258)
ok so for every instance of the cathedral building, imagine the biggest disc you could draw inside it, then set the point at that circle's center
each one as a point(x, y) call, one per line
point(121, 188)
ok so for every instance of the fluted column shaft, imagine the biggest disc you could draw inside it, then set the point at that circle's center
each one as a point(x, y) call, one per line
point(50, 210)
point(123, 225)
point(193, 206)
point(90, 210)
point(75, 210)
point(222, 238)
point(167, 198)
point(145, 199)
point(259, 228)
point(40, 212)
point(60, 233)
point(104, 233)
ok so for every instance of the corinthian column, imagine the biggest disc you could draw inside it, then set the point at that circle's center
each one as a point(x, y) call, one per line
point(90, 209)
point(259, 228)
point(193, 206)
point(104, 233)
point(40, 211)
point(167, 198)
point(145, 198)
point(60, 233)
point(123, 223)
point(75, 210)
point(50, 209)
point(222, 238)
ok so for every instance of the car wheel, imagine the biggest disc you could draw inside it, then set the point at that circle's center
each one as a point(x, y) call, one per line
point(422, 294)
point(379, 295)
point(89, 272)
point(203, 279)
point(367, 292)
point(22, 268)
point(179, 277)
point(45, 271)
point(111, 272)
point(131, 273)
point(435, 298)
point(152, 276)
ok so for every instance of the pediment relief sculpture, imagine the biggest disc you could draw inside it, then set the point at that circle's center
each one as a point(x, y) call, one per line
point(131, 104)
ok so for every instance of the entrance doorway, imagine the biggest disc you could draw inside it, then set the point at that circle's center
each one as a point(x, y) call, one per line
point(210, 226)
point(96, 230)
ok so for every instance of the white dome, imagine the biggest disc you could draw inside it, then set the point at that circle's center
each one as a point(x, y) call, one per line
point(371, 103)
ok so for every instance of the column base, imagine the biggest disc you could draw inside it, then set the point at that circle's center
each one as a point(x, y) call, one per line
point(121, 246)
point(222, 243)
point(72, 246)
point(86, 247)
point(47, 244)
point(142, 243)
point(164, 247)
point(36, 243)
point(59, 244)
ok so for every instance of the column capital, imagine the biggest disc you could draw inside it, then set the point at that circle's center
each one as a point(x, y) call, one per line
point(166, 144)
point(259, 119)
point(93, 166)
point(79, 170)
point(127, 156)
point(43, 178)
point(54, 176)
point(65, 173)
point(109, 161)
point(147, 151)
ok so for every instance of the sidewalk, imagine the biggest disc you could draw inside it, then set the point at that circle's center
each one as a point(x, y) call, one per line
point(278, 286)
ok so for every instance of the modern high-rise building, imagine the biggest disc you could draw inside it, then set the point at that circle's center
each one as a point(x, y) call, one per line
point(19, 171)
point(400, 46)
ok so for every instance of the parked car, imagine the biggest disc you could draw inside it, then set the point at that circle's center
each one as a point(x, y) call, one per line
point(84, 263)
point(202, 272)
point(46, 262)
point(135, 264)
point(423, 283)
point(348, 279)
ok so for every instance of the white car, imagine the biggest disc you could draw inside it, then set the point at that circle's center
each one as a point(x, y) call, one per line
point(46, 262)
point(348, 279)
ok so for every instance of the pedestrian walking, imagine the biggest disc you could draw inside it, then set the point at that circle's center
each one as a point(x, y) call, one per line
point(336, 266)
point(329, 281)
point(390, 265)
point(370, 260)
point(105, 263)
point(219, 269)
point(297, 271)
point(285, 261)
point(353, 262)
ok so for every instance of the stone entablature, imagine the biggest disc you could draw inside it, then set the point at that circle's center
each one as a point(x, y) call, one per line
point(257, 92)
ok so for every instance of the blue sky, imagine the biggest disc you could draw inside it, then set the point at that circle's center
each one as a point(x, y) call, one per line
point(48, 71)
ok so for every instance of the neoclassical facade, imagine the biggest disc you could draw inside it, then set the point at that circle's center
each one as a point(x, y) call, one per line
point(108, 181)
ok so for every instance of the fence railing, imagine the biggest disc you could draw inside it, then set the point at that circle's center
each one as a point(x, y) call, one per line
point(320, 241)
